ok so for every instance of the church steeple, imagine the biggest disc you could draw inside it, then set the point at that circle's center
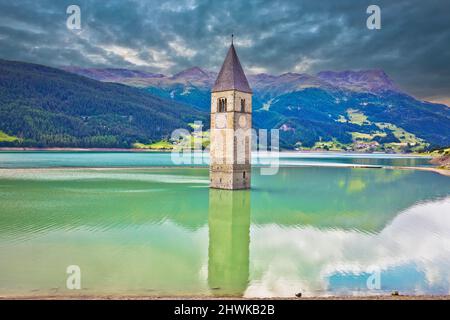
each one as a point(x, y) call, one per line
point(231, 127)
point(231, 75)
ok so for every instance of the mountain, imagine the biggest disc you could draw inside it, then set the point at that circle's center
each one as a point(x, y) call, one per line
point(367, 81)
point(47, 107)
point(195, 75)
point(112, 74)
point(79, 107)
point(356, 110)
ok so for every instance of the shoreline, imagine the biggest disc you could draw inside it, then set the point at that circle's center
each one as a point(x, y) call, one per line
point(444, 172)
point(58, 149)
point(17, 149)
point(223, 298)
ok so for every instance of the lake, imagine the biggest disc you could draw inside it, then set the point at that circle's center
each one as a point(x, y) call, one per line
point(135, 224)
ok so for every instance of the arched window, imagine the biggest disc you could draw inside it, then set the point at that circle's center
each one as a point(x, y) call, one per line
point(222, 105)
point(242, 105)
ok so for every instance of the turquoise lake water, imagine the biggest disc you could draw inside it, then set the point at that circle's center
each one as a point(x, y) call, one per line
point(137, 228)
point(152, 159)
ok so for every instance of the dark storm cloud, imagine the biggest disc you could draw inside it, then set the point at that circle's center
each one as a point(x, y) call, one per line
point(413, 46)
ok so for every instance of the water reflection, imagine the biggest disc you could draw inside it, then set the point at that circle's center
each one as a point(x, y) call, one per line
point(229, 239)
point(342, 198)
point(32, 201)
point(163, 232)
point(411, 254)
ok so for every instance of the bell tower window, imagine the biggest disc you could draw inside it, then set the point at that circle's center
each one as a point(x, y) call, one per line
point(222, 105)
point(242, 105)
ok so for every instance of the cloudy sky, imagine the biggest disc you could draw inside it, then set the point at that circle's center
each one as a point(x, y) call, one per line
point(412, 46)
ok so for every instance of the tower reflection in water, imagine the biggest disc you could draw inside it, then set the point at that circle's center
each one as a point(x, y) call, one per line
point(229, 240)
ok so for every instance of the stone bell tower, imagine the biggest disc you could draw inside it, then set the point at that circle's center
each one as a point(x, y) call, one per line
point(231, 124)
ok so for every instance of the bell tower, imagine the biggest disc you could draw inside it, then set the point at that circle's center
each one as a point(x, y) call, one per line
point(231, 126)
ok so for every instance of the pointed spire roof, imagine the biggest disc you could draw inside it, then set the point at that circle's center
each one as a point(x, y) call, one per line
point(231, 75)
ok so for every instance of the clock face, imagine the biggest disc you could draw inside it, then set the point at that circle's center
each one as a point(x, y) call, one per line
point(221, 121)
point(242, 121)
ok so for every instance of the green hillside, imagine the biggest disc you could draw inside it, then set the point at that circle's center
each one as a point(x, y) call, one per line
point(47, 107)
point(342, 120)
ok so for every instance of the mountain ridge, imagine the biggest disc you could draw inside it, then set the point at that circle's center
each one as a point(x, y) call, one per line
point(324, 109)
point(370, 79)
point(348, 110)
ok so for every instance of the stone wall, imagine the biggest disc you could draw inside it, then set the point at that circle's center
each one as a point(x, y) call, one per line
point(230, 135)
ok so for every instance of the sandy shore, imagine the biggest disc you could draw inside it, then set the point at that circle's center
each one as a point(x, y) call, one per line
point(444, 172)
point(126, 297)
